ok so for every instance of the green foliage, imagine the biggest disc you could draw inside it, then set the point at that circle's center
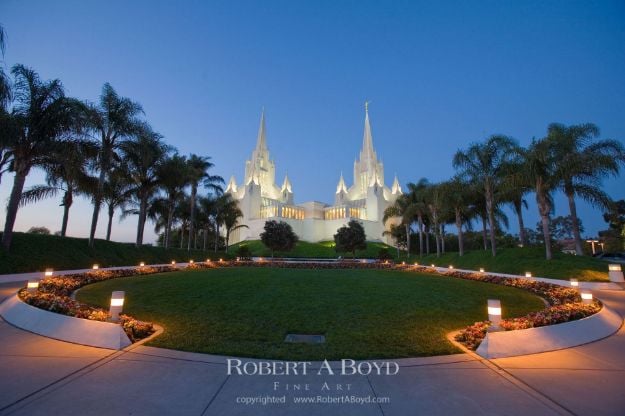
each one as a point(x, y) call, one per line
point(244, 252)
point(32, 252)
point(363, 313)
point(39, 230)
point(278, 236)
point(383, 254)
point(350, 237)
point(321, 250)
point(526, 259)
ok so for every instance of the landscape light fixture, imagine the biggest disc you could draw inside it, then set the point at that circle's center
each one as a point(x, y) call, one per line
point(403, 263)
point(117, 304)
point(451, 267)
point(494, 312)
point(481, 270)
point(173, 262)
point(142, 264)
point(574, 283)
point(528, 274)
point(615, 272)
point(208, 260)
point(586, 297)
point(48, 272)
point(191, 261)
point(221, 260)
point(95, 267)
point(416, 263)
point(32, 286)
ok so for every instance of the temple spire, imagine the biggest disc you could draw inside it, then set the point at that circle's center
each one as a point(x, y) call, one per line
point(367, 138)
point(286, 185)
point(261, 141)
point(341, 187)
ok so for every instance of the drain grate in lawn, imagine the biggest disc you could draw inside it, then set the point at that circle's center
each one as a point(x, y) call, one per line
point(305, 339)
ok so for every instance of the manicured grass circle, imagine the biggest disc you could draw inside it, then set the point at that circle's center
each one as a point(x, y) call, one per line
point(363, 313)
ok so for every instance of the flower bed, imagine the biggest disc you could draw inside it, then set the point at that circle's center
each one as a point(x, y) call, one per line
point(54, 295)
point(564, 305)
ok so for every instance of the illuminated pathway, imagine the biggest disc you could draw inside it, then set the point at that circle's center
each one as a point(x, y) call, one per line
point(40, 376)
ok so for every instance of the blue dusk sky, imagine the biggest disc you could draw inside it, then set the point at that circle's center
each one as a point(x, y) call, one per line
point(439, 76)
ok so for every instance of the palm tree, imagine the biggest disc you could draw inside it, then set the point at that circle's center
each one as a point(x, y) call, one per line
point(117, 194)
point(6, 123)
point(417, 193)
point(66, 171)
point(456, 196)
point(173, 176)
point(198, 167)
point(231, 214)
point(113, 120)
point(483, 163)
point(434, 202)
point(513, 191)
point(143, 154)
point(404, 209)
point(539, 167)
point(41, 115)
point(581, 163)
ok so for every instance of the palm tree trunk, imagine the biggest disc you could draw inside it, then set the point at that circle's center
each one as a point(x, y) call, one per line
point(205, 238)
point(110, 223)
point(443, 238)
point(216, 236)
point(579, 249)
point(518, 208)
point(143, 207)
point(97, 201)
point(420, 236)
point(460, 239)
point(14, 201)
point(484, 238)
point(228, 240)
point(544, 209)
point(407, 241)
point(192, 224)
point(67, 203)
point(427, 240)
point(491, 219)
point(181, 235)
point(170, 218)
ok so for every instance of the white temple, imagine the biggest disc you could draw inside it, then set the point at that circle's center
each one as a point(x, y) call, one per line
point(261, 199)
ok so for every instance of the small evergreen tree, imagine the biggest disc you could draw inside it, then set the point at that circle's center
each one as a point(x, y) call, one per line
point(278, 236)
point(350, 237)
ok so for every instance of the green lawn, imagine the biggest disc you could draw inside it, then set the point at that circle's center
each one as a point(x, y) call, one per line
point(32, 252)
point(527, 259)
point(363, 313)
point(303, 249)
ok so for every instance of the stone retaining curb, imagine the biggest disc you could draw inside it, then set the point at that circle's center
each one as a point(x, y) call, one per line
point(63, 327)
point(550, 338)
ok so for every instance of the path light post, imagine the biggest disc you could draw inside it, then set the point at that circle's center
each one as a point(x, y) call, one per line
point(48, 272)
point(528, 274)
point(32, 286)
point(616, 273)
point(494, 313)
point(586, 297)
point(117, 305)
point(482, 270)
point(95, 267)
point(142, 264)
point(574, 283)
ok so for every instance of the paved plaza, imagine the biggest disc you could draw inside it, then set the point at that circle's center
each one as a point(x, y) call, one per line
point(41, 376)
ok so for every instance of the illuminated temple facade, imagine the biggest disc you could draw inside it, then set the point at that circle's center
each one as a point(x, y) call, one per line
point(261, 199)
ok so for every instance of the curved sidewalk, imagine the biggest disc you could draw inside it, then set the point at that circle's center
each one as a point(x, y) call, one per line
point(44, 376)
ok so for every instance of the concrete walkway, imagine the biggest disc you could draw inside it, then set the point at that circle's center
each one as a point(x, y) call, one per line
point(40, 376)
